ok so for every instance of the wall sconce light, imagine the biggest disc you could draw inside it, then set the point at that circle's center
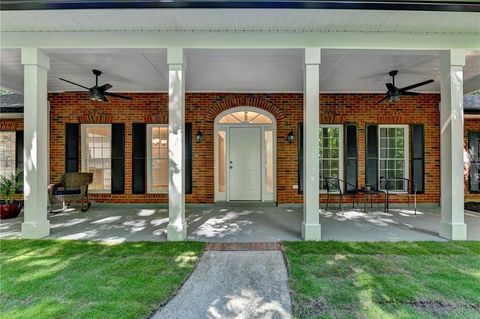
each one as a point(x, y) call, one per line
point(199, 136)
point(290, 137)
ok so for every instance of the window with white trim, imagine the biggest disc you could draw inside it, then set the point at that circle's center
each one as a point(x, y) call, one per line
point(7, 153)
point(393, 156)
point(97, 156)
point(157, 158)
point(330, 141)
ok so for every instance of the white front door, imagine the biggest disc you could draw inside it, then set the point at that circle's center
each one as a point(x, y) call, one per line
point(245, 170)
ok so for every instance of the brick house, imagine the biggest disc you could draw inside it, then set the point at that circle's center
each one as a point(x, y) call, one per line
point(177, 144)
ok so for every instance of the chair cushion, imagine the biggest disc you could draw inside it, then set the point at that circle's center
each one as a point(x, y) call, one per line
point(66, 191)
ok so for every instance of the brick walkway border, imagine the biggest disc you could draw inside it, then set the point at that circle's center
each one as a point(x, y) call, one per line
point(258, 246)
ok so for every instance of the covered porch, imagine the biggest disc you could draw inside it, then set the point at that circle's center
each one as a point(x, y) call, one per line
point(148, 222)
point(179, 84)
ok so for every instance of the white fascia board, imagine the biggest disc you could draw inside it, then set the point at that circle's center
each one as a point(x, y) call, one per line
point(159, 39)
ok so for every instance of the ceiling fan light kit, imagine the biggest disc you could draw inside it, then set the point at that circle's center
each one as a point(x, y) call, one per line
point(99, 93)
point(394, 94)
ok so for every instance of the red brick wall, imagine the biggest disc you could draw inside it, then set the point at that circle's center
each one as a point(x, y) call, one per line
point(68, 107)
point(201, 108)
point(362, 109)
point(470, 125)
point(289, 113)
point(11, 124)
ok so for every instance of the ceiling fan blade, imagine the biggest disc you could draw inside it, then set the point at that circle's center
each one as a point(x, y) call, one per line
point(410, 93)
point(390, 87)
point(104, 99)
point(383, 99)
point(105, 87)
point(119, 96)
point(74, 83)
point(416, 85)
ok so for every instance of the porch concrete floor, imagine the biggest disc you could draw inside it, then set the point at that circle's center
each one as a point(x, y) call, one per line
point(148, 222)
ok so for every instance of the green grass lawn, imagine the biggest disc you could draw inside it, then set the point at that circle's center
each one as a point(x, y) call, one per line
point(384, 280)
point(81, 279)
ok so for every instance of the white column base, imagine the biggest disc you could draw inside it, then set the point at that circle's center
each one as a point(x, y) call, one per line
point(453, 231)
point(311, 232)
point(176, 232)
point(35, 230)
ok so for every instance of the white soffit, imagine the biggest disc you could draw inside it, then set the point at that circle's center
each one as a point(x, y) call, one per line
point(242, 20)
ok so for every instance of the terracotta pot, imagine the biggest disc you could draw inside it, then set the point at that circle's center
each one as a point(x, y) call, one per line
point(10, 210)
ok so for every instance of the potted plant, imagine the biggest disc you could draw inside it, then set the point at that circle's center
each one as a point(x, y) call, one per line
point(9, 207)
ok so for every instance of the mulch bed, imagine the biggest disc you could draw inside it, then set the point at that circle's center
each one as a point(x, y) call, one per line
point(473, 206)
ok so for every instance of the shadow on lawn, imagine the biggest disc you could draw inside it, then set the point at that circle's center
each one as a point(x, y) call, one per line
point(384, 280)
point(81, 279)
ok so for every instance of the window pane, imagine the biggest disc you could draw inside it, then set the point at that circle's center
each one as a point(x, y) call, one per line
point(158, 159)
point(228, 119)
point(7, 153)
point(159, 175)
point(240, 116)
point(383, 132)
point(221, 161)
point(245, 117)
point(329, 155)
point(251, 116)
point(98, 156)
point(261, 119)
point(269, 161)
point(392, 156)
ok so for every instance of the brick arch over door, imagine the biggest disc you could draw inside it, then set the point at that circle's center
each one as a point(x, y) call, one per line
point(245, 101)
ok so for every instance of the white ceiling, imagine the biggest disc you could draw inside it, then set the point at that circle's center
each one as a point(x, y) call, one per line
point(241, 20)
point(237, 70)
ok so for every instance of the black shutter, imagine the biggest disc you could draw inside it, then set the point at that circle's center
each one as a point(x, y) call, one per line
point(351, 157)
point(72, 134)
point(371, 165)
point(118, 158)
point(19, 158)
point(139, 144)
point(188, 158)
point(418, 157)
point(300, 158)
point(474, 149)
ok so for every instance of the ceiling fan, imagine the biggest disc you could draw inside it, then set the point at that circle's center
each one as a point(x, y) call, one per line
point(393, 93)
point(98, 93)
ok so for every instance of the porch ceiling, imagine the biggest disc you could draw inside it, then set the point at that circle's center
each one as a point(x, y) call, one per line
point(241, 20)
point(238, 70)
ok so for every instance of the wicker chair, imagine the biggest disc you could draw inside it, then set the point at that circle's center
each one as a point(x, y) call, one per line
point(72, 187)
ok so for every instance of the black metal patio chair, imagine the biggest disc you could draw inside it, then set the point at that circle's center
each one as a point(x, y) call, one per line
point(391, 189)
point(338, 187)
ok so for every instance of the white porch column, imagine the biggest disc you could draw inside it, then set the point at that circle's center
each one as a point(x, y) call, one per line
point(311, 229)
point(177, 227)
point(36, 65)
point(452, 225)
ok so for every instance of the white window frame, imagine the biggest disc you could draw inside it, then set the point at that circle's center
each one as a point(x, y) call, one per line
point(340, 153)
point(84, 153)
point(14, 150)
point(406, 136)
point(149, 158)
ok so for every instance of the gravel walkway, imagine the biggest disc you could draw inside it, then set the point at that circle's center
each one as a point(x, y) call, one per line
point(233, 284)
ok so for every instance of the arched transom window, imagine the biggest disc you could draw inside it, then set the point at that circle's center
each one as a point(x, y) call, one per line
point(245, 117)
